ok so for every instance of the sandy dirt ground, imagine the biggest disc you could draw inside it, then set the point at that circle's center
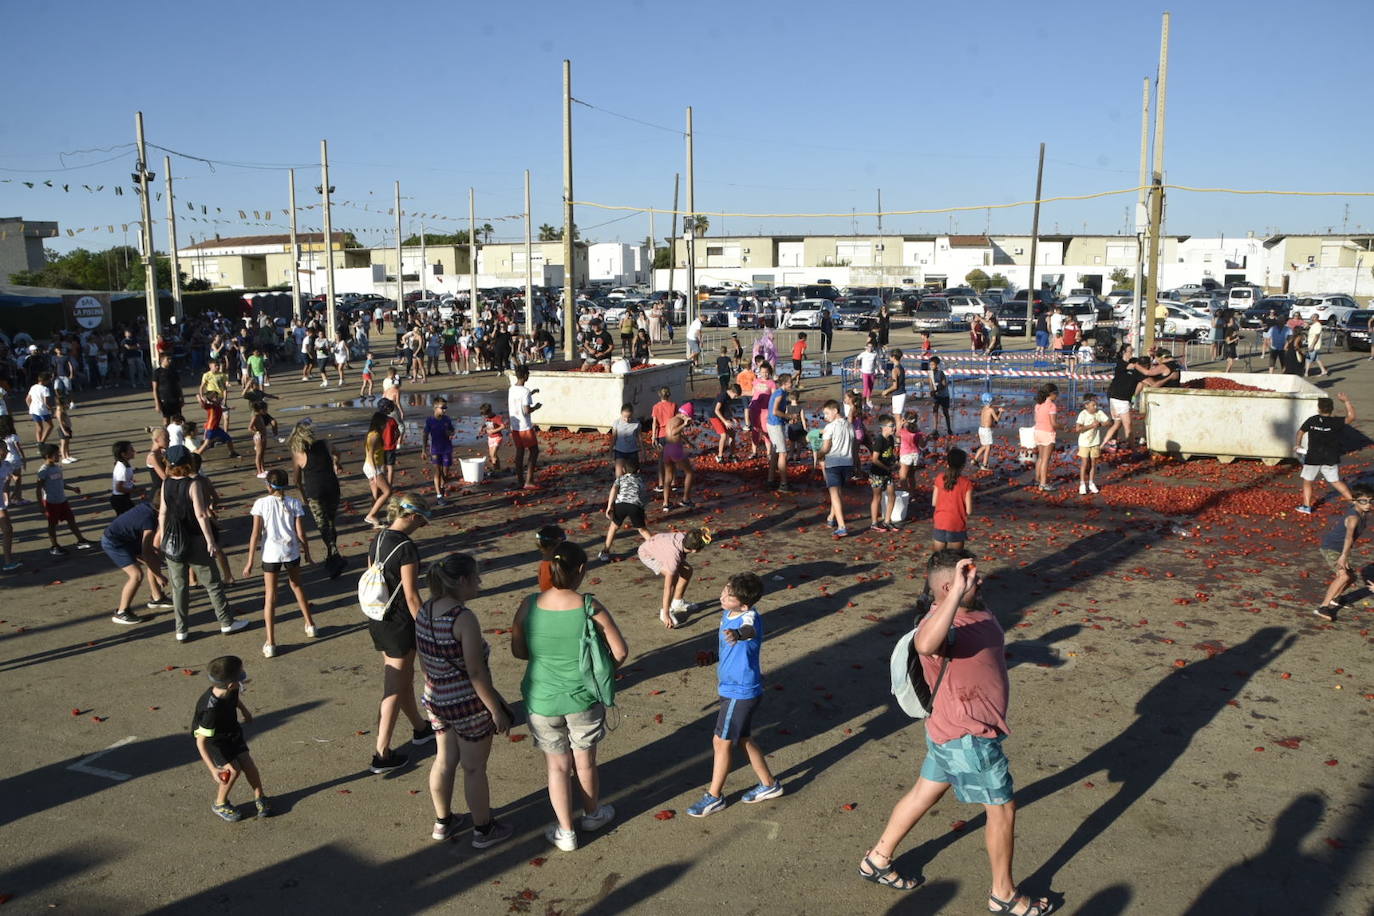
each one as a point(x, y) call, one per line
point(1186, 735)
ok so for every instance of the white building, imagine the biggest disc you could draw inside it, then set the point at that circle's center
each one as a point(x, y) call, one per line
point(618, 264)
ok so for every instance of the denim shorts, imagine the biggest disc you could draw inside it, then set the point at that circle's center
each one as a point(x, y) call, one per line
point(976, 767)
point(948, 537)
point(838, 475)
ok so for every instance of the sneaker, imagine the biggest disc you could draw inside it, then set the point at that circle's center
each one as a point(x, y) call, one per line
point(268, 650)
point(446, 828)
point(439, 501)
point(1305, 510)
point(182, 637)
point(262, 476)
point(1082, 489)
point(598, 819)
point(565, 840)
point(264, 808)
point(1092, 487)
point(57, 551)
point(84, 545)
point(604, 557)
point(879, 526)
point(679, 607)
point(761, 792)
point(841, 532)
point(228, 812)
point(709, 804)
point(423, 735)
point(240, 624)
point(68, 460)
point(160, 604)
point(495, 832)
point(11, 566)
point(392, 761)
point(127, 618)
point(686, 504)
point(324, 384)
point(310, 632)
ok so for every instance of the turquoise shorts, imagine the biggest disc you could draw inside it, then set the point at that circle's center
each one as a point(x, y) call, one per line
point(976, 767)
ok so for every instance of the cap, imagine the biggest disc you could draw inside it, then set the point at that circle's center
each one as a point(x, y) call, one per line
point(385, 405)
point(178, 454)
point(687, 410)
point(987, 397)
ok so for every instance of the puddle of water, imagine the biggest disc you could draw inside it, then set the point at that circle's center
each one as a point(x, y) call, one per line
point(419, 406)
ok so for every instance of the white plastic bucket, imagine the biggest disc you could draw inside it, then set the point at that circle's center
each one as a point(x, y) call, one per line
point(620, 367)
point(474, 469)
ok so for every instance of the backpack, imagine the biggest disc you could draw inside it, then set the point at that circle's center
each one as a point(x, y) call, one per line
point(598, 668)
point(176, 539)
point(374, 595)
point(914, 695)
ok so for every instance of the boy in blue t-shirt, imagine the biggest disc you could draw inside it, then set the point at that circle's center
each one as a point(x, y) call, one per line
point(741, 686)
point(438, 438)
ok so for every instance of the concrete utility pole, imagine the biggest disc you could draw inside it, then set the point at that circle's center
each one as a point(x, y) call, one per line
point(424, 263)
point(172, 240)
point(691, 229)
point(297, 307)
point(400, 280)
point(1035, 239)
point(472, 250)
point(1142, 219)
point(569, 281)
point(672, 246)
point(325, 192)
point(1157, 187)
point(880, 211)
point(143, 176)
point(529, 261)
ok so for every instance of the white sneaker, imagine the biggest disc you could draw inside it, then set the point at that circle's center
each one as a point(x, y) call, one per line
point(598, 819)
point(240, 624)
point(1092, 486)
point(678, 606)
point(1082, 489)
point(324, 384)
point(182, 637)
point(268, 650)
point(564, 840)
point(310, 632)
point(68, 460)
point(262, 476)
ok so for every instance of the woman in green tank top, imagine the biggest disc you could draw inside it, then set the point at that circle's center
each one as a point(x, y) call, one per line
point(566, 721)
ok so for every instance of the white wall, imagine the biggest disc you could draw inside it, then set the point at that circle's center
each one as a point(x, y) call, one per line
point(1314, 280)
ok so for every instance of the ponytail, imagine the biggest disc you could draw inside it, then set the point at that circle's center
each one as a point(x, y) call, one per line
point(954, 466)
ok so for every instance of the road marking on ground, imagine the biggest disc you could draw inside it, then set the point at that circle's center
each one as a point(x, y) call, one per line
point(84, 765)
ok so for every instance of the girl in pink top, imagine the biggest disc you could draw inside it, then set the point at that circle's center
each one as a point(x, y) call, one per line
point(1045, 409)
point(764, 386)
point(666, 555)
point(909, 442)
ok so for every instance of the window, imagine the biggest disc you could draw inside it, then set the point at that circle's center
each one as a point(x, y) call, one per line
point(715, 250)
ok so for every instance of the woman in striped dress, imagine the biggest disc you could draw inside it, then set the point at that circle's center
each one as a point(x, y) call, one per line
point(463, 706)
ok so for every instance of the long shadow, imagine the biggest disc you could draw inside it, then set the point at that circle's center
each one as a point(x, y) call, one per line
point(1039, 651)
point(1169, 715)
point(25, 878)
point(928, 898)
point(1285, 878)
point(636, 891)
point(55, 784)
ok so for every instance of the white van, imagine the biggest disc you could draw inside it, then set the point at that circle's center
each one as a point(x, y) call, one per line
point(1241, 298)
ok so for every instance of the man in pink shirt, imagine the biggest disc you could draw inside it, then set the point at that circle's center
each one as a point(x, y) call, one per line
point(962, 648)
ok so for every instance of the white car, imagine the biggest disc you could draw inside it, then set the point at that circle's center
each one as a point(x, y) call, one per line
point(1333, 308)
point(1182, 321)
point(966, 308)
point(1083, 308)
point(806, 313)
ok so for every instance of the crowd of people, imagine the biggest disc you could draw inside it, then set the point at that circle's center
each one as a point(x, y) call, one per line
point(169, 536)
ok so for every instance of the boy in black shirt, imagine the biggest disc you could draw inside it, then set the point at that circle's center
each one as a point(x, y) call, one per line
point(1323, 448)
point(219, 737)
point(725, 368)
point(882, 464)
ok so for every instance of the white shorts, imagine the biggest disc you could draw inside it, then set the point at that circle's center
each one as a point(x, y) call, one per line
point(1329, 472)
point(369, 471)
point(985, 435)
point(1119, 408)
point(898, 406)
point(910, 459)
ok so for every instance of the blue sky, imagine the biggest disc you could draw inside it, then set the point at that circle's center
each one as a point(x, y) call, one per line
point(800, 107)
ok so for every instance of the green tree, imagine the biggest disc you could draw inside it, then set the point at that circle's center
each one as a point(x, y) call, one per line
point(117, 268)
point(1122, 279)
point(978, 279)
point(549, 234)
point(455, 238)
point(487, 231)
point(998, 280)
point(663, 258)
point(699, 224)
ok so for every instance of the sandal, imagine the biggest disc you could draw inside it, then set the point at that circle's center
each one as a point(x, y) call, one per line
point(1033, 908)
point(888, 877)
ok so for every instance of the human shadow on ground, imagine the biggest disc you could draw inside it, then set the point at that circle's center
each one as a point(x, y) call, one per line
point(1285, 877)
point(1169, 716)
point(56, 784)
point(23, 879)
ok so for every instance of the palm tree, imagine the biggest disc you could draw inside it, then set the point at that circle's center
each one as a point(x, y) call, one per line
point(548, 234)
point(487, 230)
point(699, 224)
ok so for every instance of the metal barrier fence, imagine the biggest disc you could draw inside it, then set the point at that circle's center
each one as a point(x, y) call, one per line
point(1006, 383)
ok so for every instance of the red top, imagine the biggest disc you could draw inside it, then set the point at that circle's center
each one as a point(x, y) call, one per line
point(545, 575)
point(1070, 335)
point(973, 696)
point(214, 413)
point(950, 514)
point(663, 412)
point(391, 435)
point(799, 349)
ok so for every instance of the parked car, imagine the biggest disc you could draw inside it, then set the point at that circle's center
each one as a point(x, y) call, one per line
point(999, 291)
point(1182, 321)
point(806, 313)
point(716, 311)
point(1334, 309)
point(1044, 298)
point(1092, 303)
point(904, 302)
point(1012, 318)
point(791, 293)
point(1121, 302)
point(932, 314)
point(855, 316)
point(1242, 297)
point(959, 291)
point(1357, 329)
point(1081, 308)
point(964, 308)
point(1257, 315)
point(820, 291)
point(991, 299)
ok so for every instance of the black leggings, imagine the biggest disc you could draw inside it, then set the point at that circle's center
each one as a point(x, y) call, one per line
point(323, 509)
